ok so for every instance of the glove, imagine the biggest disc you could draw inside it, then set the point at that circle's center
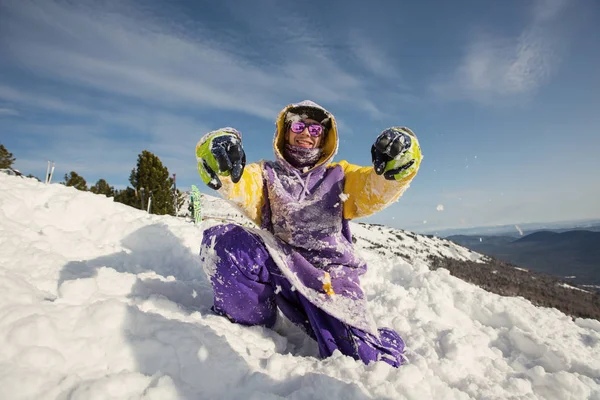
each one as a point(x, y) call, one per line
point(396, 153)
point(220, 153)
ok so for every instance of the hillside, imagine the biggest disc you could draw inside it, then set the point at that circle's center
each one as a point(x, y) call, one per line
point(101, 301)
point(575, 253)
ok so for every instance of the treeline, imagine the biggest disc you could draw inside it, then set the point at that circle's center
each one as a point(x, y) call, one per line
point(7, 160)
point(150, 183)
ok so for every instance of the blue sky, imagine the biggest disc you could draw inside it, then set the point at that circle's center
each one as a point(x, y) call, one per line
point(504, 96)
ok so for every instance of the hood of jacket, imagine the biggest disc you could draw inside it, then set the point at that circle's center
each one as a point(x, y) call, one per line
point(330, 141)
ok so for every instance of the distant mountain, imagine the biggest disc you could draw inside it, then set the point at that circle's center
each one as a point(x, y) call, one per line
point(574, 253)
point(583, 237)
point(517, 230)
point(481, 241)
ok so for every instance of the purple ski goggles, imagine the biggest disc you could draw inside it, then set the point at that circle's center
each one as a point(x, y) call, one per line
point(314, 129)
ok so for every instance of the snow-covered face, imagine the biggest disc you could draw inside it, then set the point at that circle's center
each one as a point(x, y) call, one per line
point(304, 139)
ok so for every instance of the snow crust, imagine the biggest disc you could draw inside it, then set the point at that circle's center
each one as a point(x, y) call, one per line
point(101, 301)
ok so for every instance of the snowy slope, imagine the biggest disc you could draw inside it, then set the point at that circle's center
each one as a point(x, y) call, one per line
point(101, 301)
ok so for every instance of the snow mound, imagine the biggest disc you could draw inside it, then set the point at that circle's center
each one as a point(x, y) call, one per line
point(99, 300)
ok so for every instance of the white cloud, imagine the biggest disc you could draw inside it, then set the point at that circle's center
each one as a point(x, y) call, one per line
point(159, 127)
point(118, 70)
point(106, 141)
point(5, 111)
point(40, 100)
point(494, 67)
point(547, 10)
point(128, 54)
point(372, 58)
point(440, 207)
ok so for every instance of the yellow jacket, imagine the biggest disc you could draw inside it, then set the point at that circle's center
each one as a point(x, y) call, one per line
point(366, 192)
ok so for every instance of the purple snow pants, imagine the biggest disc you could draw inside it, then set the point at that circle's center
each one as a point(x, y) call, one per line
point(249, 287)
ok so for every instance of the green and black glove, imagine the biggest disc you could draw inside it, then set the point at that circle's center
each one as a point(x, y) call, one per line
point(220, 153)
point(396, 153)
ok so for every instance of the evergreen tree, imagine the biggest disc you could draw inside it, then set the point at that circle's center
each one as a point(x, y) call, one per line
point(151, 175)
point(6, 158)
point(128, 196)
point(102, 187)
point(75, 180)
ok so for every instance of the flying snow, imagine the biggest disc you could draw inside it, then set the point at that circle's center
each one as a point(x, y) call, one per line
point(519, 229)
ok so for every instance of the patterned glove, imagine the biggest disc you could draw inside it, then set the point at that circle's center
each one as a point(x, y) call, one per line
point(220, 153)
point(396, 153)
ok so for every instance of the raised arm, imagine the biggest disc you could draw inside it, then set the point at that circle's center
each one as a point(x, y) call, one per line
point(396, 157)
point(248, 193)
point(222, 166)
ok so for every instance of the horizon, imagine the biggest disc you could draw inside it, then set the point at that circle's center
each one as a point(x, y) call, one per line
point(518, 227)
point(502, 97)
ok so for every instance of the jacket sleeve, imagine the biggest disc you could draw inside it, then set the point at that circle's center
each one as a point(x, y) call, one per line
point(248, 193)
point(368, 192)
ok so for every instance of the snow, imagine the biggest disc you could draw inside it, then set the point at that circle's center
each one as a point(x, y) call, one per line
point(98, 300)
point(572, 287)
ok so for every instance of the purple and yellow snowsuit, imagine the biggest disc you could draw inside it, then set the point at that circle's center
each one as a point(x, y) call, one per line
point(302, 261)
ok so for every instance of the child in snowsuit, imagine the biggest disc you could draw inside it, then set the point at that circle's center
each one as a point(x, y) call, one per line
point(302, 260)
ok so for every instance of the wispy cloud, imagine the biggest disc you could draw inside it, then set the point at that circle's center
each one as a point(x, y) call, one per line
point(127, 55)
point(95, 149)
point(547, 10)
point(94, 153)
point(157, 126)
point(119, 71)
point(40, 100)
point(373, 59)
point(107, 73)
point(496, 67)
point(101, 140)
point(5, 111)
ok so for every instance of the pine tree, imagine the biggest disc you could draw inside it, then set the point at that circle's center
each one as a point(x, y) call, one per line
point(75, 180)
point(128, 196)
point(153, 177)
point(6, 158)
point(102, 187)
